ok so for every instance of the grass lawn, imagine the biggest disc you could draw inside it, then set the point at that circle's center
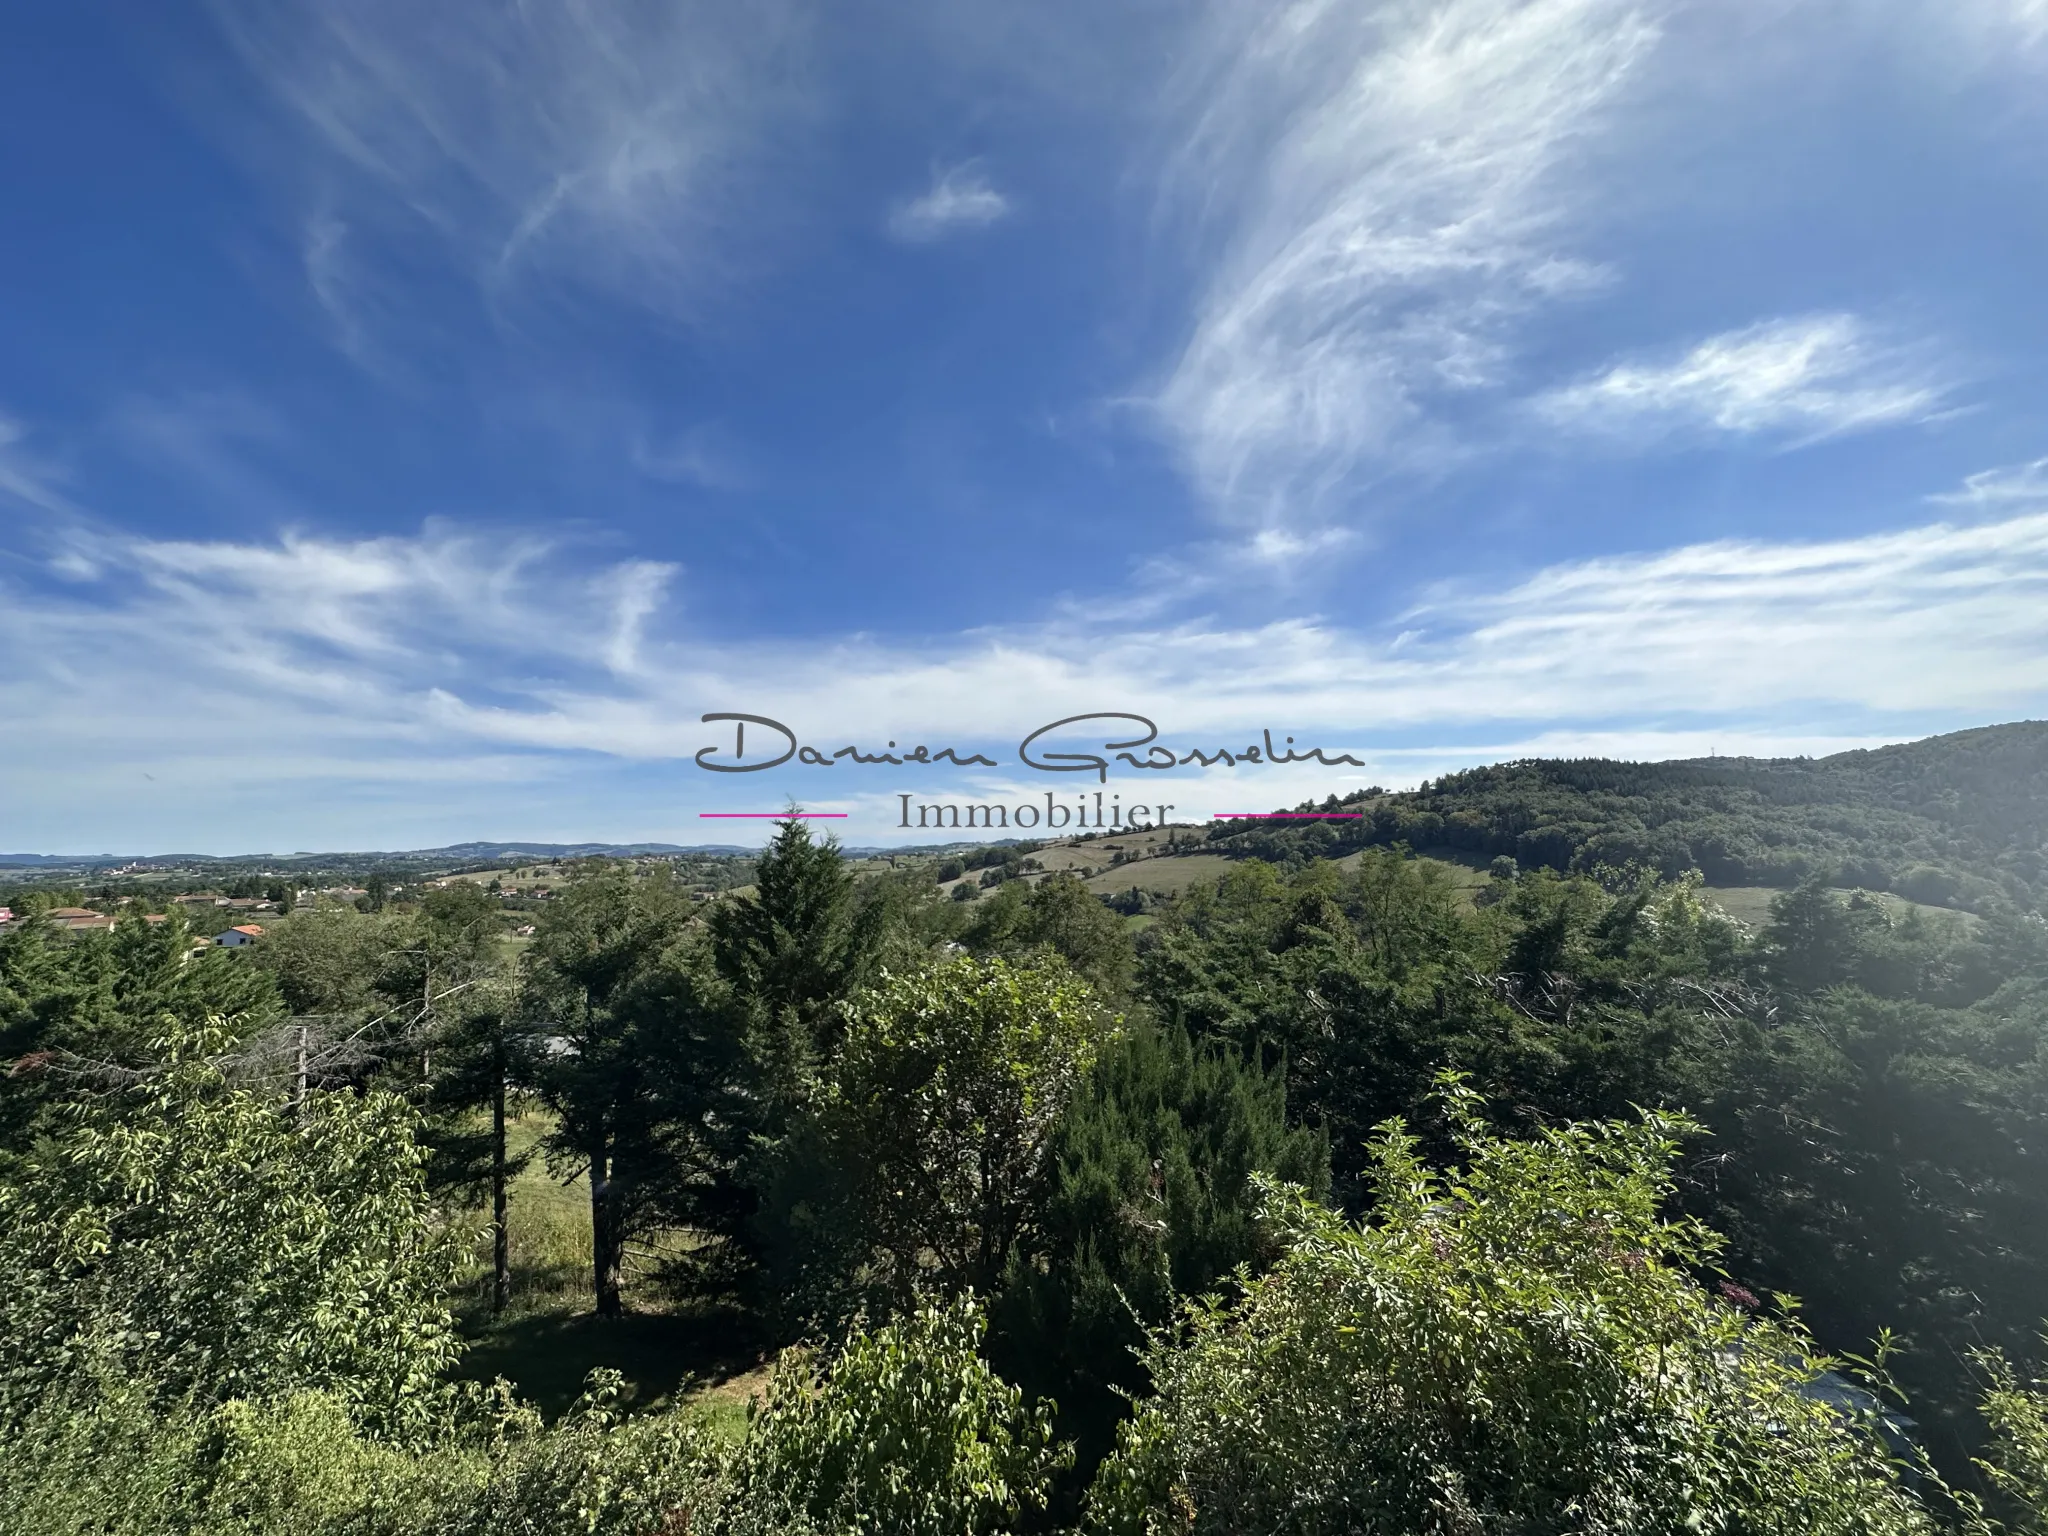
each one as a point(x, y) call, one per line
point(706, 1358)
point(548, 1340)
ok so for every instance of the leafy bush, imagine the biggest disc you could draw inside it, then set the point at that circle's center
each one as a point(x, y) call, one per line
point(922, 1159)
point(1514, 1345)
point(91, 1457)
point(908, 1434)
point(2017, 1463)
point(103, 1460)
point(200, 1238)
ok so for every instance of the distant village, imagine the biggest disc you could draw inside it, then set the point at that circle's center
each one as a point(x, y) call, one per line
point(235, 904)
point(231, 914)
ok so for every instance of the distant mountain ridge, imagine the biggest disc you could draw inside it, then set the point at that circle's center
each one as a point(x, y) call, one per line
point(457, 853)
point(1956, 820)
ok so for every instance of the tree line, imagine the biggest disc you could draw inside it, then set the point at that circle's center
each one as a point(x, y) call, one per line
point(1958, 820)
point(1330, 1200)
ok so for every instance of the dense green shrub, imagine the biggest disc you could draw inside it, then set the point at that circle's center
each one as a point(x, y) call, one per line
point(94, 1456)
point(1514, 1345)
point(908, 1434)
point(70, 999)
point(921, 1158)
point(1152, 1198)
point(104, 1461)
point(2016, 1462)
point(207, 1240)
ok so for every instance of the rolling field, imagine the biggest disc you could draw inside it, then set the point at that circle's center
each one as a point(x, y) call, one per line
point(1165, 876)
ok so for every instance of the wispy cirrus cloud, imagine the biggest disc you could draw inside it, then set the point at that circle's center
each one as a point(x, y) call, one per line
point(2024, 20)
point(23, 477)
point(1383, 189)
point(594, 143)
point(1805, 379)
point(1996, 489)
point(960, 198)
point(446, 606)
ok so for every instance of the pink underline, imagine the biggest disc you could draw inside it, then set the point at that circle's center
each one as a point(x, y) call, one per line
point(1286, 815)
point(778, 815)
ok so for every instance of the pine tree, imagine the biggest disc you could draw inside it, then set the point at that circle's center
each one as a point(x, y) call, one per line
point(585, 981)
point(1152, 1199)
point(797, 947)
point(478, 1057)
point(644, 1056)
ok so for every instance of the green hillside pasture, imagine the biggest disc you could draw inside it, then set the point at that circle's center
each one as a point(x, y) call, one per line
point(1177, 873)
point(1092, 858)
point(1163, 876)
point(1750, 905)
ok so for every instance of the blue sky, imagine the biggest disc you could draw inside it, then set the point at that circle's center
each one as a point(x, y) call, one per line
point(413, 418)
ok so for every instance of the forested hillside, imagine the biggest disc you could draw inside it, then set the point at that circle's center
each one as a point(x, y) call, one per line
point(1958, 820)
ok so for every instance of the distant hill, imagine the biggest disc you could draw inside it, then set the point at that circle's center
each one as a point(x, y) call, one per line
point(454, 853)
point(1958, 820)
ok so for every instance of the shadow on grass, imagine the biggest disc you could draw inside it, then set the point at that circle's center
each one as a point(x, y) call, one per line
point(548, 1355)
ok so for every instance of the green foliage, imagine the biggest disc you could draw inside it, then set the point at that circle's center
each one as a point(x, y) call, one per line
point(1153, 1196)
point(293, 1466)
point(2016, 1463)
point(326, 960)
point(1365, 985)
point(1515, 1344)
point(68, 1000)
point(93, 1456)
point(1955, 819)
point(646, 1067)
point(908, 1434)
point(1061, 915)
point(222, 1306)
point(1872, 1153)
point(298, 1465)
point(801, 943)
point(197, 1237)
point(1881, 1158)
point(923, 1156)
point(907, 1431)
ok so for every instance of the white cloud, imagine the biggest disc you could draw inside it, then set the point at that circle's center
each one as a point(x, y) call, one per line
point(591, 141)
point(960, 198)
point(2001, 488)
point(703, 455)
point(323, 617)
point(2023, 20)
point(383, 662)
point(1382, 186)
point(1807, 378)
point(25, 479)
